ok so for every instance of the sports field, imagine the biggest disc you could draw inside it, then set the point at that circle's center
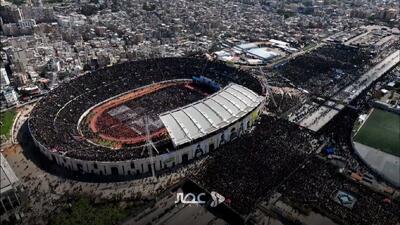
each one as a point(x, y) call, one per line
point(381, 131)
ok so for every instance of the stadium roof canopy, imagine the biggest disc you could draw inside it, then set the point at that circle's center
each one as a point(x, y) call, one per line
point(212, 113)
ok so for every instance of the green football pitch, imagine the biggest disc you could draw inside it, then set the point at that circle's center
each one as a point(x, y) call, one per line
point(6, 122)
point(381, 131)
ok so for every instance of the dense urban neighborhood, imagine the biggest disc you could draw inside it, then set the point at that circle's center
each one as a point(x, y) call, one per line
point(200, 112)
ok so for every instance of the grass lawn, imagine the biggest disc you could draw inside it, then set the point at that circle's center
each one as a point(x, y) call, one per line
point(381, 131)
point(6, 122)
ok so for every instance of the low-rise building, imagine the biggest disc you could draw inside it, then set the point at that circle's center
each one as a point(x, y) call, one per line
point(10, 96)
point(10, 200)
point(4, 81)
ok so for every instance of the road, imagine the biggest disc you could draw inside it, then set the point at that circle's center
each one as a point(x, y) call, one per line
point(317, 119)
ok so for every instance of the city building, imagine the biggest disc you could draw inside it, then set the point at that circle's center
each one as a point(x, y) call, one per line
point(10, 197)
point(4, 78)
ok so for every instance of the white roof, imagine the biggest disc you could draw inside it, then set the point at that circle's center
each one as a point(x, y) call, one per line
point(279, 42)
point(264, 53)
point(247, 45)
point(212, 113)
point(386, 165)
point(7, 175)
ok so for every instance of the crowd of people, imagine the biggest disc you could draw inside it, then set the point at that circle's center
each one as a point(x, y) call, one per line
point(251, 166)
point(278, 156)
point(130, 123)
point(314, 188)
point(341, 128)
point(283, 99)
point(326, 70)
point(54, 119)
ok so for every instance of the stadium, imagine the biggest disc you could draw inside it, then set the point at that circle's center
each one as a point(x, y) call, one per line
point(253, 53)
point(376, 142)
point(154, 114)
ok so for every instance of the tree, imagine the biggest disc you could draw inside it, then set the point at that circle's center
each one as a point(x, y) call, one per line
point(18, 2)
point(83, 211)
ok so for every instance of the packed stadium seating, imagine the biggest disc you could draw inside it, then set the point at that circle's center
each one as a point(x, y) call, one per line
point(53, 121)
point(150, 106)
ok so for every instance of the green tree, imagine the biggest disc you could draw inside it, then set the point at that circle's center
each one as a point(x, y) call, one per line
point(84, 211)
point(18, 2)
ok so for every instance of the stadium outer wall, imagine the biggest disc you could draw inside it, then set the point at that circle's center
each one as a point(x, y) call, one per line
point(140, 166)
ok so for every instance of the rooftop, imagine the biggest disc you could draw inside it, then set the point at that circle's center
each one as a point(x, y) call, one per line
point(7, 175)
point(205, 116)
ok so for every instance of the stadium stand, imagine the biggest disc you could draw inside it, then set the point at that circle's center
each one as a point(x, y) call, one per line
point(53, 122)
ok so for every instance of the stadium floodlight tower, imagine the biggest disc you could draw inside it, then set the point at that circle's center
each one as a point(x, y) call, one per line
point(149, 145)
